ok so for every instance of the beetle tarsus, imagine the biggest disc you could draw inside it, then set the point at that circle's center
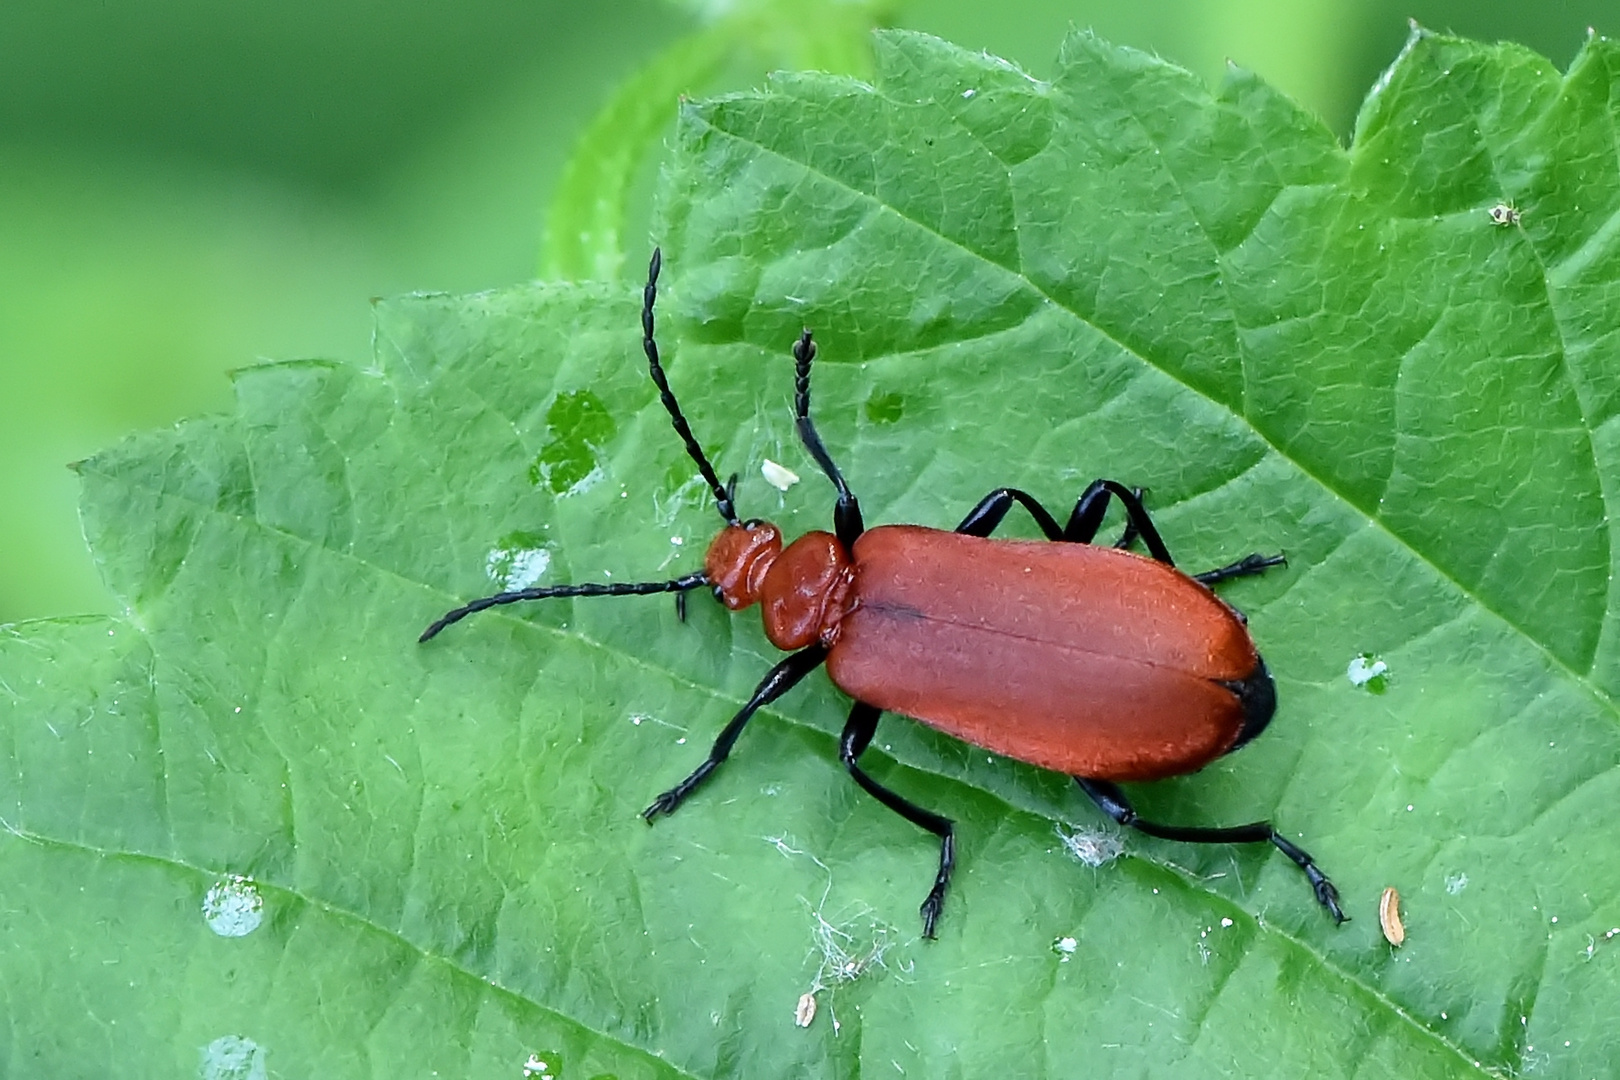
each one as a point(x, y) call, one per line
point(1111, 800)
point(778, 681)
point(1244, 567)
point(1326, 894)
point(857, 736)
point(934, 903)
point(667, 802)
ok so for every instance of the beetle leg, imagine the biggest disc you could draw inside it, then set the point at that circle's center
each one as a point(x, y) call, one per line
point(847, 521)
point(1088, 517)
point(782, 678)
point(1249, 564)
point(1131, 533)
point(1112, 801)
point(986, 517)
point(857, 736)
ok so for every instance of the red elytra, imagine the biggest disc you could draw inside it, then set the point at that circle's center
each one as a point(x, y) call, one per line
point(1088, 660)
point(1135, 659)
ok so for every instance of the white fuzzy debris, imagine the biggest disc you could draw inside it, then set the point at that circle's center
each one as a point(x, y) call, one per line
point(233, 1057)
point(1091, 846)
point(233, 907)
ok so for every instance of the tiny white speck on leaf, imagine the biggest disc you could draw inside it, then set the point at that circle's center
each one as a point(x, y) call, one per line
point(1064, 947)
point(536, 1069)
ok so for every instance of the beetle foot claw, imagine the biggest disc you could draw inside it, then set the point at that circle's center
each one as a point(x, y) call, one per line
point(930, 909)
point(1326, 894)
point(669, 800)
point(1329, 898)
point(664, 804)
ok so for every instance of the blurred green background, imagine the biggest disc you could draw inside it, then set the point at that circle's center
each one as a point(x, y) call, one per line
point(187, 188)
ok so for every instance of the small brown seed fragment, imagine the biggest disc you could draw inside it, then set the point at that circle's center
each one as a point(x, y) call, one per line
point(806, 1011)
point(1389, 916)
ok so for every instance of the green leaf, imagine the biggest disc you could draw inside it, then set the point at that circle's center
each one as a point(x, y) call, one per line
point(1337, 353)
point(586, 221)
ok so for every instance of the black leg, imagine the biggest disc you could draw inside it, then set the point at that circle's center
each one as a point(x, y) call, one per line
point(1087, 518)
point(1093, 505)
point(847, 521)
point(1249, 564)
point(1131, 533)
point(858, 732)
point(991, 510)
point(779, 681)
point(1112, 801)
point(984, 518)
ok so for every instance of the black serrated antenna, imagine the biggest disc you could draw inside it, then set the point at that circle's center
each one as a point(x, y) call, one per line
point(847, 512)
point(722, 492)
point(678, 586)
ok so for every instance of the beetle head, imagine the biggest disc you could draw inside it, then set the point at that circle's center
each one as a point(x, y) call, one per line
point(738, 560)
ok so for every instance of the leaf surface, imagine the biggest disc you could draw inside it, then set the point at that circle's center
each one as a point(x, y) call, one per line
point(1120, 273)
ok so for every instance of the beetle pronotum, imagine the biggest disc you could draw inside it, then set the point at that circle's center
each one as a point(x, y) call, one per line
point(1092, 660)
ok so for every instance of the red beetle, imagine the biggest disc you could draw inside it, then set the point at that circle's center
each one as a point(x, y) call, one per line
point(1093, 661)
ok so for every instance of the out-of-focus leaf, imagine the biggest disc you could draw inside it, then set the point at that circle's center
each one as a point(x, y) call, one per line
point(1337, 353)
point(586, 220)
